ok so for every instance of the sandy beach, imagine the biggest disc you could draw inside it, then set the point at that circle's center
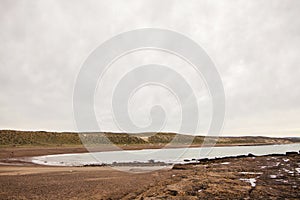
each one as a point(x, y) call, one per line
point(262, 177)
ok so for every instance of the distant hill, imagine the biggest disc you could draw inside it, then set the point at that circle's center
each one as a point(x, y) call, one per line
point(42, 138)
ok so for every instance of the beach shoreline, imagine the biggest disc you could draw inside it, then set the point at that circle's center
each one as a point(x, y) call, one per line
point(243, 177)
point(31, 151)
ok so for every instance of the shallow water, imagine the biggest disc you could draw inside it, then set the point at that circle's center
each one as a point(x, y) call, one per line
point(177, 155)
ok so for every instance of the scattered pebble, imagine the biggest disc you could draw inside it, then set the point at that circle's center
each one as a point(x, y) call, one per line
point(273, 176)
point(250, 173)
point(252, 181)
point(225, 163)
point(281, 180)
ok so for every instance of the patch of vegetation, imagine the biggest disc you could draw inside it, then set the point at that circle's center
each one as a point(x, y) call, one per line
point(42, 138)
point(20, 138)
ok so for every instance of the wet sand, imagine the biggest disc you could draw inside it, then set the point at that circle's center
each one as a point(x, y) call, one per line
point(266, 177)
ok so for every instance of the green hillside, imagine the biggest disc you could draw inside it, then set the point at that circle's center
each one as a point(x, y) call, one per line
point(42, 138)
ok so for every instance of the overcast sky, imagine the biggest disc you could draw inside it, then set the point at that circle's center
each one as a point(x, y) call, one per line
point(254, 44)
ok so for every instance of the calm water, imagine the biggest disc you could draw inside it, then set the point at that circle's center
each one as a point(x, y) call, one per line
point(163, 155)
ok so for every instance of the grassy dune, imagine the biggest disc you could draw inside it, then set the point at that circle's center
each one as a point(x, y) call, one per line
point(42, 138)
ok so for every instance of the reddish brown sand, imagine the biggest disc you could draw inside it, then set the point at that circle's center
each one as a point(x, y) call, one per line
point(277, 177)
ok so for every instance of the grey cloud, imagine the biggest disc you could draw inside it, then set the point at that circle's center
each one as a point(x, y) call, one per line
point(254, 44)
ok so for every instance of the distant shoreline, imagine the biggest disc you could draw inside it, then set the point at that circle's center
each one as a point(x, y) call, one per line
point(31, 151)
point(14, 144)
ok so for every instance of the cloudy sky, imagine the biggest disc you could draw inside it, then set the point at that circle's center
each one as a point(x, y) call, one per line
point(255, 46)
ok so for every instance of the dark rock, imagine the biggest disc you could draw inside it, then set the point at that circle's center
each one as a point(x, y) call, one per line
point(291, 153)
point(218, 158)
point(203, 159)
point(172, 192)
point(230, 157)
point(276, 154)
point(180, 167)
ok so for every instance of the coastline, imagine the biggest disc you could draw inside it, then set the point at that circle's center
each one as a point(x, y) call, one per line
point(273, 176)
point(30, 151)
